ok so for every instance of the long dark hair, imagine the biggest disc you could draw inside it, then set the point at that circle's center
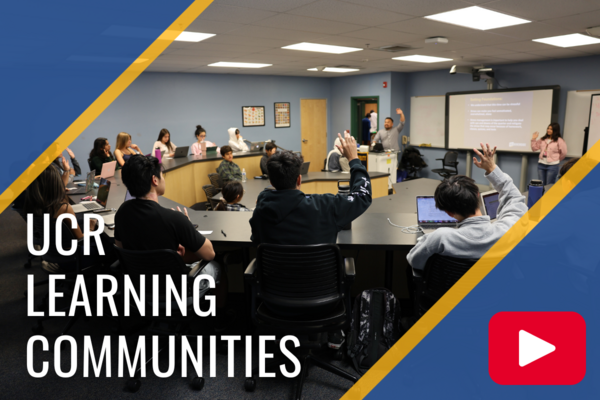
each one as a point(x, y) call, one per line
point(230, 192)
point(163, 132)
point(555, 132)
point(98, 150)
point(46, 195)
point(199, 130)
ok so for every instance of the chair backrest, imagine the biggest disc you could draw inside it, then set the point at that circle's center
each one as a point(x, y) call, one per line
point(153, 262)
point(210, 192)
point(52, 255)
point(325, 165)
point(215, 180)
point(440, 274)
point(450, 159)
point(300, 277)
point(90, 165)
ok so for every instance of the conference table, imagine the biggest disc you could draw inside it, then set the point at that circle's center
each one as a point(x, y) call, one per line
point(371, 231)
point(186, 176)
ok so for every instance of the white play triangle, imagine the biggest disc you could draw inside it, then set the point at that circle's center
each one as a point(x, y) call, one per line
point(532, 348)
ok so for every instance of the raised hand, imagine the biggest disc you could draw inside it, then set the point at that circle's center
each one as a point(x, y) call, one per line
point(487, 158)
point(71, 154)
point(348, 148)
point(535, 135)
point(399, 111)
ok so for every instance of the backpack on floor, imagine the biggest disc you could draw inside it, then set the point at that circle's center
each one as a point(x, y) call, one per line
point(374, 329)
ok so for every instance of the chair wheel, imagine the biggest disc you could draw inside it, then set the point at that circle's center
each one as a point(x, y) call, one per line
point(197, 383)
point(37, 329)
point(250, 384)
point(133, 385)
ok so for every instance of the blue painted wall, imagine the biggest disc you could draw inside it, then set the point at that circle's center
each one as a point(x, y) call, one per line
point(571, 74)
point(179, 102)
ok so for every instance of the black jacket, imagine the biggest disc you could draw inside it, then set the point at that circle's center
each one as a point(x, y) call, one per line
point(291, 217)
point(263, 164)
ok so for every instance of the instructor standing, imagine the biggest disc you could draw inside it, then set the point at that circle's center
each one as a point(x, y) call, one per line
point(389, 135)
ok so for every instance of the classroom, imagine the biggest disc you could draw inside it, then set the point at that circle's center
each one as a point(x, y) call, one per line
point(402, 72)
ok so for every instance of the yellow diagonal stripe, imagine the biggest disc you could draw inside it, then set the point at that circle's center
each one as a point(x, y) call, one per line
point(102, 102)
point(479, 271)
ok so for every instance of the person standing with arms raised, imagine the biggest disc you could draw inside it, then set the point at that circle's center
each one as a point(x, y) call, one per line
point(389, 135)
point(553, 150)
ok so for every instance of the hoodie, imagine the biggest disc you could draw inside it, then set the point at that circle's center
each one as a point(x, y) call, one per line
point(235, 143)
point(294, 218)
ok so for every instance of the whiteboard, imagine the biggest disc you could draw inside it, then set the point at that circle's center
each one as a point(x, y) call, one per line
point(428, 121)
point(594, 121)
point(576, 118)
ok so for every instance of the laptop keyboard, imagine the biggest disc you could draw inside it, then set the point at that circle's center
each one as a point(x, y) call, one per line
point(92, 206)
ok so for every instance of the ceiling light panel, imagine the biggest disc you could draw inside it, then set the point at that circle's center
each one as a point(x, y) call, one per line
point(477, 18)
point(422, 59)
point(338, 70)
point(321, 48)
point(575, 39)
point(238, 65)
point(193, 36)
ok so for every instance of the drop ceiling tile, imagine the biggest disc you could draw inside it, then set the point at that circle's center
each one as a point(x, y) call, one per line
point(349, 13)
point(534, 30)
point(296, 36)
point(338, 40)
point(538, 10)
point(524, 46)
point(483, 38)
point(384, 35)
point(269, 5)
point(414, 7)
point(218, 27)
point(253, 41)
point(560, 53)
point(515, 57)
point(300, 23)
point(427, 28)
point(578, 22)
point(451, 45)
point(233, 14)
point(487, 51)
point(589, 49)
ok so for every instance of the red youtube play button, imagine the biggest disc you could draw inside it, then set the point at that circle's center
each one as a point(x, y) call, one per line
point(537, 348)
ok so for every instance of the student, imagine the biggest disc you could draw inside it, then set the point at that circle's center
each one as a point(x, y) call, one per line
point(270, 149)
point(143, 224)
point(228, 170)
point(366, 128)
point(62, 166)
point(389, 135)
point(335, 161)
point(125, 149)
point(100, 154)
point(553, 149)
point(459, 198)
point(232, 195)
point(164, 143)
point(288, 216)
point(373, 119)
point(200, 138)
point(236, 142)
point(47, 195)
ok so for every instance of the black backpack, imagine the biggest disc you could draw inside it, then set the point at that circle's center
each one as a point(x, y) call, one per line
point(374, 329)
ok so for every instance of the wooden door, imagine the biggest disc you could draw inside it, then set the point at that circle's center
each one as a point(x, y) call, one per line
point(313, 130)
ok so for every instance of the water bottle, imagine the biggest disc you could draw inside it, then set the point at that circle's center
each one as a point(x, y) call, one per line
point(243, 174)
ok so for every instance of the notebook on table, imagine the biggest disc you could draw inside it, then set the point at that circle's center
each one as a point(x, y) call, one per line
point(99, 203)
point(430, 218)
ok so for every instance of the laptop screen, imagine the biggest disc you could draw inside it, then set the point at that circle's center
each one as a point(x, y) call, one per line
point(490, 202)
point(427, 212)
point(89, 183)
point(103, 190)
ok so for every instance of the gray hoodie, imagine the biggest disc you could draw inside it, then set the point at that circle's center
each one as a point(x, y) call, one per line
point(475, 235)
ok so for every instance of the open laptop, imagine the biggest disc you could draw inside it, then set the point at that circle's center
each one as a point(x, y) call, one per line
point(304, 168)
point(490, 201)
point(181, 152)
point(256, 146)
point(430, 218)
point(89, 184)
point(108, 169)
point(101, 198)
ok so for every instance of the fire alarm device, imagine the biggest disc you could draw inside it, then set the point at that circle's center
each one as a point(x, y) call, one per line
point(384, 85)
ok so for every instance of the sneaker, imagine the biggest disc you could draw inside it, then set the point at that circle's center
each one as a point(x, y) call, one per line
point(336, 339)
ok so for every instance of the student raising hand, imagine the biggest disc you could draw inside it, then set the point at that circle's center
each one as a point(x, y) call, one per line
point(348, 147)
point(487, 158)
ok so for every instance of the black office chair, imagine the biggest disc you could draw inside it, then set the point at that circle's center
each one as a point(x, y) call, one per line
point(325, 166)
point(449, 165)
point(68, 265)
point(412, 162)
point(91, 166)
point(310, 283)
point(210, 192)
point(216, 181)
point(440, 274)
point(164, 263)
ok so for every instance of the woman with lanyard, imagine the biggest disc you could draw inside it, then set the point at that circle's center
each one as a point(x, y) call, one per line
point(553, 150)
